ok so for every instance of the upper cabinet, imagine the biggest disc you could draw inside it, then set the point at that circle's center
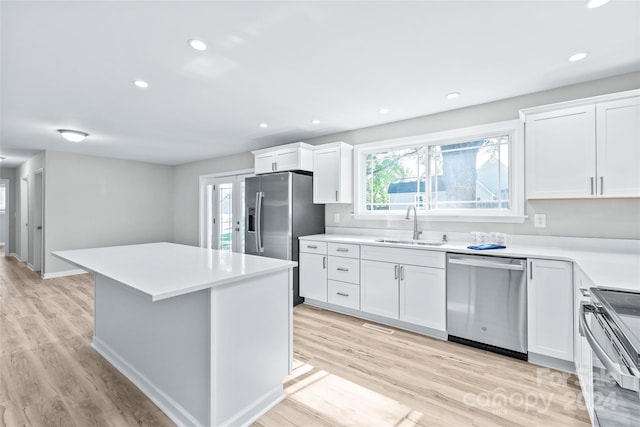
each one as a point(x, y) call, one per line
point(296, 156)
point(585, 148)
point(333, 173)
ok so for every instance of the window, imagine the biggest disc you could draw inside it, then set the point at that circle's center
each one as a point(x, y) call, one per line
point(468, 174)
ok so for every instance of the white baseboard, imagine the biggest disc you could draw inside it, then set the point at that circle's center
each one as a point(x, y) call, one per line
point(15, 255)
point(170, 407)
point(255, 410)
point(63, 273)
point(30, 266)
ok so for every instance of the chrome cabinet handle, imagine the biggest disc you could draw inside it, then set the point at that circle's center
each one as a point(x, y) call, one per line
point(342, 269)
point(342, 250)
point(402, 272)
point(591, 179)
point(312, 246)
point(601, 185)
point(395, 271)
point(342, 294)
point(324, 262)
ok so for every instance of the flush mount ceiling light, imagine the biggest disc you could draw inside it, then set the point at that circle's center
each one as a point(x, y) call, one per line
point(452, 95)
point(383, 110)
point(264, 125)
point(142, 84)
point(592, 4)
point(198, 44)
point(73, 135)
point(315, 122)
point(578, 56)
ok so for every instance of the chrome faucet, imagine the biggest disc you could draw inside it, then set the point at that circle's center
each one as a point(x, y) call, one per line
point(416, 232)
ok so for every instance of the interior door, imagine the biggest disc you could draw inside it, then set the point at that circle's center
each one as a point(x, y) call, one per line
point(224, 213)
point(4, 217)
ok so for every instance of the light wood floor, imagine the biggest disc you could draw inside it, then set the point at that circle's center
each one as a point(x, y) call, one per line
point(344, 374)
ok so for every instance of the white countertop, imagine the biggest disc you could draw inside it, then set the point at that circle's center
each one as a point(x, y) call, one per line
point(165, 270)
point(607, 267)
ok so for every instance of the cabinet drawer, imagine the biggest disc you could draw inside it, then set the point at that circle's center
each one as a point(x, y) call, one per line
point(344, 294)
point(344, 269)
point(313, 247)
point(420, 257)
point(344, 250)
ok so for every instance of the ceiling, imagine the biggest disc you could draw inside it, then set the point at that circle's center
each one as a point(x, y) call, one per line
point(72, 64)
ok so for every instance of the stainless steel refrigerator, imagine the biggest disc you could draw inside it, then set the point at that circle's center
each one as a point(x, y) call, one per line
point(279, 209)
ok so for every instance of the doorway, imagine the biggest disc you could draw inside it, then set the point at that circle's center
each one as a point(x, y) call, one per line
point(24, 220)
point(222, 211)
point(4, 216)
point(38, 222)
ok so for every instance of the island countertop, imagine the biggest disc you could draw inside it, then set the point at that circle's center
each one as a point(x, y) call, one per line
point(164, 270)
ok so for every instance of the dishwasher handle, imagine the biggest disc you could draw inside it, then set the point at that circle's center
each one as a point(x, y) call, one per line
point(487, 264)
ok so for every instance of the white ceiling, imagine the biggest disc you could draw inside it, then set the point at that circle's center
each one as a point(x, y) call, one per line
point(71, 65)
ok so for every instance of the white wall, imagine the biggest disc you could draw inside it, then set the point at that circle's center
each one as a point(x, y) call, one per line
point(94, 201)
point(186, 199)
point(10, 174)
point(581, 218)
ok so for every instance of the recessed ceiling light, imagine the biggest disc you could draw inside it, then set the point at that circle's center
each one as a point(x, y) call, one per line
point(315, 122)
point(452, 95)
point(264, 125)
point(592, 4)
point(578, 56)
point(73, 135)
point(198, 44)
point(141, 84)
point(383, 110)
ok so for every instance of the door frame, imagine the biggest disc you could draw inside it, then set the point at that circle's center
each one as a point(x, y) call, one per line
point(24, 220)
point(38, 221)
point(204, 181)
point(7, 213)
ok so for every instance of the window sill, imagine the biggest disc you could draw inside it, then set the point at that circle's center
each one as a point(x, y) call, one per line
point(507, 219)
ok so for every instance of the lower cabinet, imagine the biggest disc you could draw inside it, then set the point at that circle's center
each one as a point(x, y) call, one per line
point(313, 276)
point(423, 296)
point(550, 308)
point(344, 294)
point(379, 288)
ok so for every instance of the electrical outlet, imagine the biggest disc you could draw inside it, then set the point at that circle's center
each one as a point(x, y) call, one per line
point(540, 220)
point(336, 217)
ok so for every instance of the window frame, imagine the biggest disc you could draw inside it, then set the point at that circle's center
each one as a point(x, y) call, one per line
point(513, 128)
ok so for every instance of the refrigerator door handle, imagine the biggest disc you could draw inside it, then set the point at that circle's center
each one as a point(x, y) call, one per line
point(259, 198)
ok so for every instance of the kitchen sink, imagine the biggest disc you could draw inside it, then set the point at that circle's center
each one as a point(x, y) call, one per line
point(411, 242)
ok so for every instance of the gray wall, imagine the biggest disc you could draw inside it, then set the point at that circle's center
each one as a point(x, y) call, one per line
point(94, 201)
point(10, 174)
point(583, 218)
point(187, 188)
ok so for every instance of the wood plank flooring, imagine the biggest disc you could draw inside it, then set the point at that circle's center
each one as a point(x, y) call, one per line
point(344, 374)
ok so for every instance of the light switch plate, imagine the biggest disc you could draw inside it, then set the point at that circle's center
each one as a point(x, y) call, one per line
point(540, 220)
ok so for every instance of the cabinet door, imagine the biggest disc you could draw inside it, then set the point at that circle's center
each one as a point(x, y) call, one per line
point(423, 296)
point(326, 176)
point(379, 288)
point(550, 308)
point(287, 160)
point(618, 142)
point(313, 276)
point(264, 163)
point(560, 153)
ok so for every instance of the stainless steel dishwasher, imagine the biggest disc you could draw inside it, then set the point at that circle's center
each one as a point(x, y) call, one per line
point(487, 303)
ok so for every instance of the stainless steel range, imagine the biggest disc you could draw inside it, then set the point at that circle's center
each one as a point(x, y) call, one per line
point(611, 325)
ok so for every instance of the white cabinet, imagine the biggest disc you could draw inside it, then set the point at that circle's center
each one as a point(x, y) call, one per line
point(333, 173)
point(344, 275)
point(379, 292)
point(550, 308)
point(423, 296)
point(312, 263)
point(584, 149)
point(404, 284)
point(296, 156)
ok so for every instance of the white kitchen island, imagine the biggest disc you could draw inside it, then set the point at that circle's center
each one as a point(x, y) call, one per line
point(205, 334)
